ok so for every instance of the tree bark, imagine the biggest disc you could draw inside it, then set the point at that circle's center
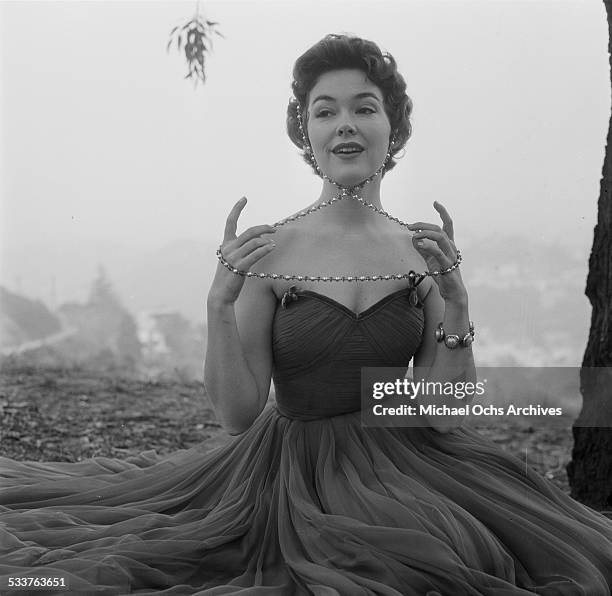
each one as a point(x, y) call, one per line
point(590, 470)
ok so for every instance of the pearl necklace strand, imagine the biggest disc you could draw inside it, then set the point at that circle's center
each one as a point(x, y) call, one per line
point(344, 193)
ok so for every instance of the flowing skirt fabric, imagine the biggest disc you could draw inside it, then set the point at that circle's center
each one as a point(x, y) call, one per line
point(324, 507)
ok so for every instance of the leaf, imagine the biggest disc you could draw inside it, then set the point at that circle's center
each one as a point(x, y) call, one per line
point(197, 43)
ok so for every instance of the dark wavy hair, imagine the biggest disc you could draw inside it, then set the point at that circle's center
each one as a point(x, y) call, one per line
point(336, 52)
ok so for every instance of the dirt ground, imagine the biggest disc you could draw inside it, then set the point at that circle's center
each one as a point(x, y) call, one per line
point(71, 415)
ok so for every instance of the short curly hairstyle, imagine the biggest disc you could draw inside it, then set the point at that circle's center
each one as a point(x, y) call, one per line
point(336, 52)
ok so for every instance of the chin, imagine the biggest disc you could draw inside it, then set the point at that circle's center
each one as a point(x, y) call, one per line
point(347, 180)
point(350, 178)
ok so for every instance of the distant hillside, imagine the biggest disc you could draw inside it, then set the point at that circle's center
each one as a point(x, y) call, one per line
point(23, 320)
point(527, 300)
point(101, 334)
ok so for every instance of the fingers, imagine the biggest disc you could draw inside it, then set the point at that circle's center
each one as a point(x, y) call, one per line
point(242, 251)
point(254, 232)
point(440, 239)
point(435, 244)
point(231, 223)
point(239, 247)
point(245, 263)
point(436, 248)
point(429, 248)
point(423, 225)
point(446, 220)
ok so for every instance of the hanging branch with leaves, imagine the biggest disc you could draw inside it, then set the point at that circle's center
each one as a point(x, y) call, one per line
point(196, 39)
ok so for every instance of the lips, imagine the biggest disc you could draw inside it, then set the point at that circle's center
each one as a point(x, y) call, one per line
point(347, 149)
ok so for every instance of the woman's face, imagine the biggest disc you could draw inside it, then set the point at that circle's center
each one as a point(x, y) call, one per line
point(347, 126)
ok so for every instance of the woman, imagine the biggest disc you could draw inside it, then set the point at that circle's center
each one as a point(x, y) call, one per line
point(305, 499)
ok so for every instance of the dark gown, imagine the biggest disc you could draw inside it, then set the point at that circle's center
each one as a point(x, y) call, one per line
point(309, 501)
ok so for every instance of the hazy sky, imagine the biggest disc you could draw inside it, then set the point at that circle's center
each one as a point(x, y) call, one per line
point(104, 142)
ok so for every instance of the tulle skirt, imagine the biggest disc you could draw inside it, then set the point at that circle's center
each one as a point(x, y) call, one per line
point(324, 507)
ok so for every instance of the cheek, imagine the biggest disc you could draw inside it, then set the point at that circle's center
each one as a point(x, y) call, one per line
point(383, 139)
point(378, 130)
point(318, 139)
point(313, 134)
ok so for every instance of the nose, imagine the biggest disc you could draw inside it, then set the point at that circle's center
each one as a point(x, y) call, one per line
point(346, 128)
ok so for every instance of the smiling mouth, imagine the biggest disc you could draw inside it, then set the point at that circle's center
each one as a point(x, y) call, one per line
point(348, 149)
point(347, 154)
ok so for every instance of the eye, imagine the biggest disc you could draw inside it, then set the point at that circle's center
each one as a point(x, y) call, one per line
point(366, 110)
point(323, 113)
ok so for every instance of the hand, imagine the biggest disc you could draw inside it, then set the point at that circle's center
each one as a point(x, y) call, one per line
point(241, 252)
point(436, 245)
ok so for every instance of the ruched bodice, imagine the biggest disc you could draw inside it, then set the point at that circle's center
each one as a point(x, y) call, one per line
point(320, 346)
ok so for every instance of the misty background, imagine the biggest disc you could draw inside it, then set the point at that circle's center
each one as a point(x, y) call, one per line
point(117, 174)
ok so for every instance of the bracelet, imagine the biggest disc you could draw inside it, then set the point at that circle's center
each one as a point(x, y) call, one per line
point(452, 340)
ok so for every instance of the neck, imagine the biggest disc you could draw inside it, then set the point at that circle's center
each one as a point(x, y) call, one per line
point(348, 211)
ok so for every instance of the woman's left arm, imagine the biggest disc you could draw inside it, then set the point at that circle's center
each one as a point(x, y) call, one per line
point(445, 303)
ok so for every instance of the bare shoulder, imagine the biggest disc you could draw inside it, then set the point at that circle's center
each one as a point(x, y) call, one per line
point(291, 241)
point(285, 238)
point(410, 259)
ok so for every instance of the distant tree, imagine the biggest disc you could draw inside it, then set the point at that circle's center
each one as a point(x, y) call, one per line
point(128, 345)
point(104, 325)
point(102, 293)
point(590, 471)
point(196, 39)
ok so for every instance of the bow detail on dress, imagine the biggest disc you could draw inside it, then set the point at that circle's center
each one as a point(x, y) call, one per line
point(289, 295)
point(414, 280)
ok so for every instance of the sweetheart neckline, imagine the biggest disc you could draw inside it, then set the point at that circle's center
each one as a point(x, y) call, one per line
point(356, 316)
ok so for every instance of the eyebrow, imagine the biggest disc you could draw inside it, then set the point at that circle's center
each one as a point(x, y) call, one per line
point(358, 96)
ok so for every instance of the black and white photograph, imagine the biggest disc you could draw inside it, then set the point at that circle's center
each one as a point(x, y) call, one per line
point(306, 298)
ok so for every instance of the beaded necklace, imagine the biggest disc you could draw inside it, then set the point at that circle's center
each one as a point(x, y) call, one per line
point(344, 193)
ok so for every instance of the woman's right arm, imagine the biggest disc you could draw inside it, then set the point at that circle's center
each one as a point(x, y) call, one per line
point(238, 365)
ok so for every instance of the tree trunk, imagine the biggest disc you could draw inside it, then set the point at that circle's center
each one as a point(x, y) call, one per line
point(590, 471)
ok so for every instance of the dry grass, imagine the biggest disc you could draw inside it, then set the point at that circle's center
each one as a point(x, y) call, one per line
point(70, 414)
